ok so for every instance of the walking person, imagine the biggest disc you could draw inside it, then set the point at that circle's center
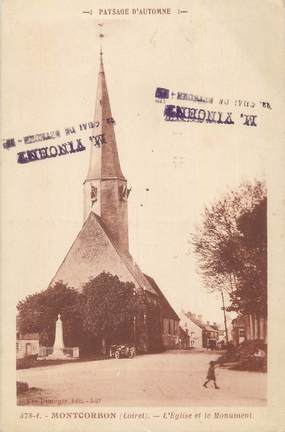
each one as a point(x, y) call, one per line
point(211, 376)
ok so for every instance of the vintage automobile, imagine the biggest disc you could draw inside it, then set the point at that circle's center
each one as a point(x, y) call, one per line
point(120, 351)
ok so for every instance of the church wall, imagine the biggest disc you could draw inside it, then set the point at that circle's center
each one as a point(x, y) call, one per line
point(114, 211)
point(106, 199)
point(141, 339)
point(154, 322)
point(91, 200)
point(170, 333)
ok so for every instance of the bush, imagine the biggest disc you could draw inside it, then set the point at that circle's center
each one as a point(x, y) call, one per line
point(22, 387)
point(251, 364)
point(26, 362)
point(243, 356)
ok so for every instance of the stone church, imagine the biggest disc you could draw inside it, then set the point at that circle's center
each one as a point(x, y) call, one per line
point(102, 243)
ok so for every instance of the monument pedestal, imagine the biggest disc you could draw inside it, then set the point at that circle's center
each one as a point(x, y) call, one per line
point(59, 352)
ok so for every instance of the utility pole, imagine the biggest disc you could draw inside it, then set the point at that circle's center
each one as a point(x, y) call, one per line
point(225, 318)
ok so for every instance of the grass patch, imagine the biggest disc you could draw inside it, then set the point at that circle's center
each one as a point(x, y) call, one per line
point(32, 362)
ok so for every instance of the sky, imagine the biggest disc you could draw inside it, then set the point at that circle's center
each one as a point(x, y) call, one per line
point(49, 82)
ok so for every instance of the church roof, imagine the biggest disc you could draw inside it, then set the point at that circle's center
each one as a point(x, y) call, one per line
point(93, 252)
point(167, 310)
point(107, 165)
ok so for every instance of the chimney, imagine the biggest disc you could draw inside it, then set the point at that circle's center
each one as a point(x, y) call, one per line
point(193, 316)
point(215, 324)
point(199, 317)
point(208, 322)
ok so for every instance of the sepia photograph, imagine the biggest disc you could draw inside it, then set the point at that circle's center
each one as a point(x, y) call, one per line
point(138, 215)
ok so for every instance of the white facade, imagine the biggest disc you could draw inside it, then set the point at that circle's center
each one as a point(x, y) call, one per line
point(193, 330)
point(26, 347)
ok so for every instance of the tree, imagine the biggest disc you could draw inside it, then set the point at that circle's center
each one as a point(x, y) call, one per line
point(105, 310)
point(37, 313)
point(231, 254)
point(250, 296)
point(110, 307)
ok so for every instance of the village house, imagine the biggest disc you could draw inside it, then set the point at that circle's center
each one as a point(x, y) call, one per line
point(210, 335)
point(248, 328)
point(192, 329)
point(27, 344)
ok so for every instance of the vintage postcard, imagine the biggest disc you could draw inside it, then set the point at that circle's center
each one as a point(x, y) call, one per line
point(142, 216)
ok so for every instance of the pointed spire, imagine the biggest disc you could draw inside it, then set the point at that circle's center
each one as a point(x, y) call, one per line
point(104, 158)
point(101, 67)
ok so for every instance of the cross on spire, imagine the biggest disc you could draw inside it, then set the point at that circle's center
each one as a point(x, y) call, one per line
point(101, 35)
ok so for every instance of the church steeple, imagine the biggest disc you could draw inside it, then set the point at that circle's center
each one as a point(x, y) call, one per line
point(105, 187)
point(104, 158)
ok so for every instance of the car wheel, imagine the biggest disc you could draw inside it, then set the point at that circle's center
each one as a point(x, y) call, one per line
point(117, 354)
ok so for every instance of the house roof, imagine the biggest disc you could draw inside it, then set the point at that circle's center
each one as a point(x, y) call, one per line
point(195, 321)
point(184, 316)
point(209, 328)
point(93, 252)
point(167, 310)
point(199, 323)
